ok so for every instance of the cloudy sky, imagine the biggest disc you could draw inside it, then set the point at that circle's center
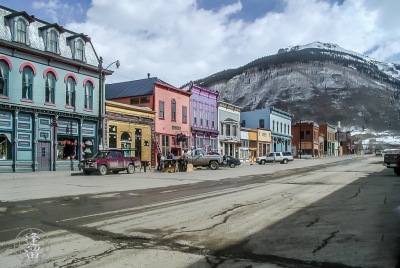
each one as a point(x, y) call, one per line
point(183, 40)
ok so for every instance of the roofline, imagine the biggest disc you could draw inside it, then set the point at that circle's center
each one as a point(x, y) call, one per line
point(260, 128)
point(173, 88)
point(50, 55)
point(204, 89)
point(129, 107)
point(227, 103)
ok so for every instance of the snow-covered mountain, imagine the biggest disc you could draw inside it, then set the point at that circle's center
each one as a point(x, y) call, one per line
point(319, 81)
point(388, 68)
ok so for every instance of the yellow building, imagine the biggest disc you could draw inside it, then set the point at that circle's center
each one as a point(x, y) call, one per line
point(130, 126)
point(253, 133)
point(264, 141)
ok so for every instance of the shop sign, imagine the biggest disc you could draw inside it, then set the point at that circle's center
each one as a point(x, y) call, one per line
point(176, 127)
point(238, 144)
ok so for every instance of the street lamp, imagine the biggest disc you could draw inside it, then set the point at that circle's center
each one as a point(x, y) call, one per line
point(101, 127)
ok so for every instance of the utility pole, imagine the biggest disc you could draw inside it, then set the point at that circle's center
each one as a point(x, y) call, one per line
point(300, 138)
point(100, 124)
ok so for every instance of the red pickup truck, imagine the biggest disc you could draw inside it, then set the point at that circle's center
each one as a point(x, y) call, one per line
point(114, 160)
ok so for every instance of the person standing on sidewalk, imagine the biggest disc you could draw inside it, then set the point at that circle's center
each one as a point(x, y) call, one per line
point(185, 159)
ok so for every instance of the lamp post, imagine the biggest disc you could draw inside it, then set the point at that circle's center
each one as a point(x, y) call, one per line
point(101, 104)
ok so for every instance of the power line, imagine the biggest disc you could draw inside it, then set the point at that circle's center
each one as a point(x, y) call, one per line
point(129, 70)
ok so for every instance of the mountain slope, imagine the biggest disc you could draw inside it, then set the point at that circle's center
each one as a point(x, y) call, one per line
point(320, 82)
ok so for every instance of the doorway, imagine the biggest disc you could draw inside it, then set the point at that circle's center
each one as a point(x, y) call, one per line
point(43, 156)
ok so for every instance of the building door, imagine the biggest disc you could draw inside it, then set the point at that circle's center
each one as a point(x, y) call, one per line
point(43, 156)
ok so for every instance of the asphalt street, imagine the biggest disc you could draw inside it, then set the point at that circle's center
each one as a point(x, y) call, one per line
point(331, 212)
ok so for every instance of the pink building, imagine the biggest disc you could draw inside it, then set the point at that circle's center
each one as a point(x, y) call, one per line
point(171, 104)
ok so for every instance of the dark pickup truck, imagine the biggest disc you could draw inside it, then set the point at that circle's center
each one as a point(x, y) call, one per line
point(392, 160)
point(114, 160)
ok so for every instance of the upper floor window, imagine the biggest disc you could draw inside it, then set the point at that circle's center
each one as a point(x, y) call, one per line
point(3, 78)
point(50, 87)
point(228, 130)
point(194, 116)
point(184, 114)
point(284, 129)
point(261, 123)
point(173, 110)
point(281, 128)
point(79, 50)
point(243, 123)
point(135, 101)
point(27, 82)
point(161, 110)
point(234, 128)
point(145, 100)
point(201, 116)
point(21, 31)
point(273, 125)
point(70, 92)
point(212, 119)
point(277, 126)
point(207, 118)
point(53, 44)
point(89, 96)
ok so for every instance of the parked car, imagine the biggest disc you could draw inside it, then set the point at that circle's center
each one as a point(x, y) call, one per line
point(114, 160)
point(378, 153)
point(199, 158)
point(392, 160)
point(231, 161)
point(283, 158)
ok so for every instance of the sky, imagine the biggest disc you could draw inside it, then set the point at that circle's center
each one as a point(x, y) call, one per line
point(183, 40)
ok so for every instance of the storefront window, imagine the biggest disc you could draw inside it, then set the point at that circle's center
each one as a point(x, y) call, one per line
point(165, 145)
point(67, 148)
point(5, 146)
point(87, 148)
point(138, 142)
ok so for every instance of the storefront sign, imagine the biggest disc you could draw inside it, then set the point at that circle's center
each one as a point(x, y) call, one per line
point(176, 127)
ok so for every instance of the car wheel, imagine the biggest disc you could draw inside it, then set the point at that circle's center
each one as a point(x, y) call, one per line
point(232, 165)
point(263, 162)
point(115, 171)
point(130, 169)
point(214, 165)
point(103, 170)
point(285, 161)
point(86, 172)
point(397, 171)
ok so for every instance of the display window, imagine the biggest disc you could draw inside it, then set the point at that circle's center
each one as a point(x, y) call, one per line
point(67, 148)
point(5, 146)
point(87, 148)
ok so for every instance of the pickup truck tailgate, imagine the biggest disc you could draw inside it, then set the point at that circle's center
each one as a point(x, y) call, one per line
point(391, 160)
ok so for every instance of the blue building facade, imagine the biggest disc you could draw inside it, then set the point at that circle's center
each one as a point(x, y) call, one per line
point(278, 121)
point(49, 102)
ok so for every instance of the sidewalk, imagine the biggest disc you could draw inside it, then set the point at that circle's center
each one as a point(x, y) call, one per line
point(49, 184)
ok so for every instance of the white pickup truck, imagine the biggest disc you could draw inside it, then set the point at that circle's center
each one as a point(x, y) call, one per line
point(283, 158)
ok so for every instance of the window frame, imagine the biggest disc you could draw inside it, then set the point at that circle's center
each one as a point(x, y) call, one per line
point(70, 94)
point(131, 101)
point(212, 120)
point(144, 99)
point(30, 84)
point(207, 118)
point(173, 110)
point(184, 114)
point(51, 41)
point(21, 21)
point(195, 116)
point(49, 90)
point(6, 78)
point(263, 123)
point(77, 54)
point(161, 110)
point(88, 96)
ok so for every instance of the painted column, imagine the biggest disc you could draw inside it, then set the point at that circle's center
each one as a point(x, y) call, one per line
point(55, 143)
point(81, 140)
point(16, 112)
point(35, 145)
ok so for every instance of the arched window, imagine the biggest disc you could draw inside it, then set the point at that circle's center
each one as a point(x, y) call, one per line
point(53, 44)
point(27, 82)
point(70, 92)
point(89, 96)
point(79, 50)
point(21, 31)
point(50, 87)
point(3, 78)
point(125, 136)
point(173, 110)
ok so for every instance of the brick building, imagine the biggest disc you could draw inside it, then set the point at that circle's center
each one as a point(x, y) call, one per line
point(308, 133)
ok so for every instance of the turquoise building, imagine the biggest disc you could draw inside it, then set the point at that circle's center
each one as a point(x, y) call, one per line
point(49, 95)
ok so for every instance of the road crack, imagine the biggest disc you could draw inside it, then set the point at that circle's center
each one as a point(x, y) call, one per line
point(283, 195)
point(313, 222)
point(359, 192)
point(325, 241)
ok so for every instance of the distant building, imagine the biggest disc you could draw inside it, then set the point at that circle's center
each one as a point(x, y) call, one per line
point(129, 126)
point(329, 139)
point(49, 102)
point(305, 139)
point(229, 129)
point(170, 104)
point(204, 116)
point(264, 141)
point(275, 120)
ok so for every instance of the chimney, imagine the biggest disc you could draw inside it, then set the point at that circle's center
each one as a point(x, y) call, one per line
point(148, 75)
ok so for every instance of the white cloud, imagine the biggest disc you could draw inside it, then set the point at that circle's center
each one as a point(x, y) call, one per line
point(178, 42)
point(54, 9)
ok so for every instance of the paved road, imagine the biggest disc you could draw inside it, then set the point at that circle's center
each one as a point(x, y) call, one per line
point(334, 212)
